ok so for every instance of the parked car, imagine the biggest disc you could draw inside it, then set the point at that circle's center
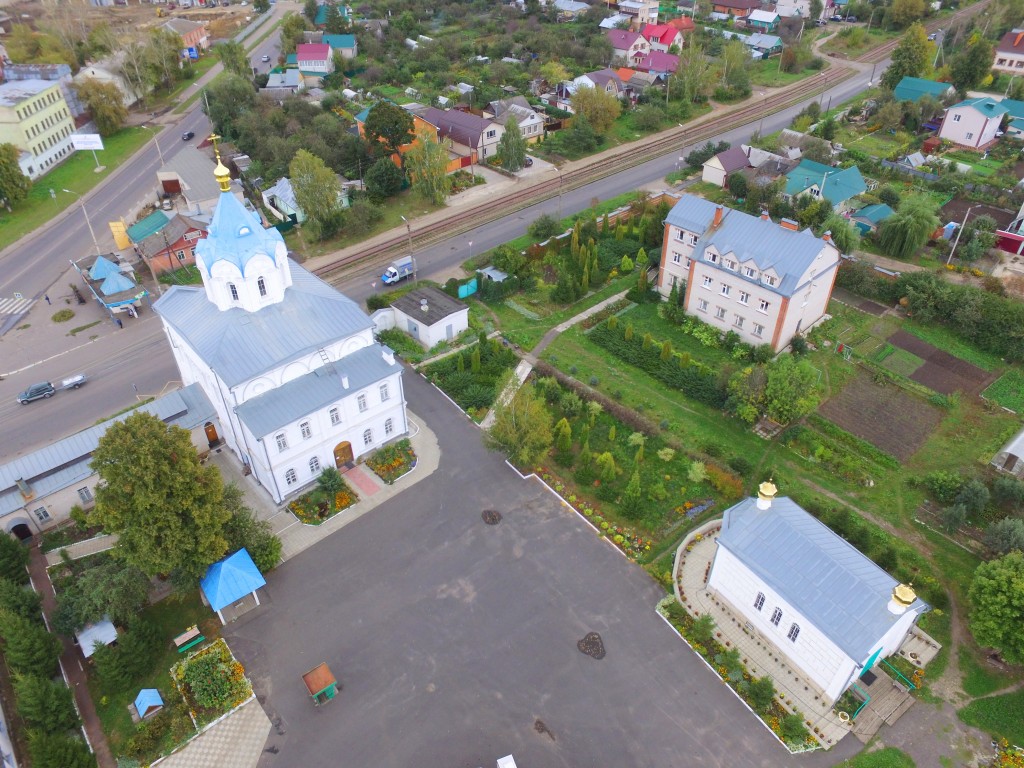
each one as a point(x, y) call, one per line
point(36, 392)
point(188, 135)
point(852, 19)
point(837, 17)
point(528, 162)
point(265, 57)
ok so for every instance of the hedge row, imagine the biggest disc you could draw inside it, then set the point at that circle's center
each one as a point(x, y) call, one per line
point(693, 379)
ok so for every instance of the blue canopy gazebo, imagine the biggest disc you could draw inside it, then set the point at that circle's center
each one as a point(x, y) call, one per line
point(230, 580)
point(148, 702)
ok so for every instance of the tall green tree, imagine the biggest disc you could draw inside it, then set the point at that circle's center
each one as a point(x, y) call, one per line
point(334, 22)
point(907, 230)
point(133, 68)
point(997, 606)
point(44, 703)
point(163, 57)
point(512, 147)
point(427, 165)
point(522, 427)
point(55, 750)
point(28, 648)
point(693, 73)
point(261, 6)
point(599, 107)
point(1005, 535)
point(13, 560)
point(309, 10)
point(105, 103)
point(292, 27)
point(110, 589)
point(317, 192)
point(911, 58)
point(228, 99)
point(972, 64)
point(20, 600)
point(164, 505)
point(387, 128)
point(244, 530)
point(233, 57)
point(845, 236)
point(903, 13)
point(14, 185)
point(791, 390)
point(383, 180)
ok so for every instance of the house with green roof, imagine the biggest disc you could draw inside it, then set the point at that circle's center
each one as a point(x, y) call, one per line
point(869, 217)
point(320, 20)
point(913, 88)
point(1015, 111)
point(343, 44)
point(838, 185)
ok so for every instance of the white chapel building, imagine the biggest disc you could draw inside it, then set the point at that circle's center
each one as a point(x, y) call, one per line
point(289, 363)
point(827, 607)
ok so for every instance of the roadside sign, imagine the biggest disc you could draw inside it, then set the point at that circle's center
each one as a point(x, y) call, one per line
point(86, 141)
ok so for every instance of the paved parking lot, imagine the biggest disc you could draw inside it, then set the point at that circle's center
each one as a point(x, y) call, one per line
point(454, 639)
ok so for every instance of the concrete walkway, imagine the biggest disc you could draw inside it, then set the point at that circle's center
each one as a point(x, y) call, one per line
point(235, 742)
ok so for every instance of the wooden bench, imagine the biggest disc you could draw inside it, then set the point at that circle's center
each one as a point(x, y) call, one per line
point(190, 638)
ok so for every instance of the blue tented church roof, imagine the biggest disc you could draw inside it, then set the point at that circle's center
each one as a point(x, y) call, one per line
point(147, 699)
point(231, 579)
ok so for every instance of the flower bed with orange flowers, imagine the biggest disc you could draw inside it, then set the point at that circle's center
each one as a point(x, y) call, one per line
point(212, 682)
point(393, 461)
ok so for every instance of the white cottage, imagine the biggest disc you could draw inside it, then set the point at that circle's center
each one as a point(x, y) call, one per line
point(829, 609)
point(430, 315)
point(289, 363)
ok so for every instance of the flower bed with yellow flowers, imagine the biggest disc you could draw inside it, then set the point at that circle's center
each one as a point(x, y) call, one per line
point(314, 507)
point(392, 461)
point(212, 682)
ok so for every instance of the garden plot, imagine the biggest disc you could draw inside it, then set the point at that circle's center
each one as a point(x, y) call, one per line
point(941, 371)
point(890, 419)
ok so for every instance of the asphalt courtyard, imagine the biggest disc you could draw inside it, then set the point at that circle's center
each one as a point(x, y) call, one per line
point(455, 641)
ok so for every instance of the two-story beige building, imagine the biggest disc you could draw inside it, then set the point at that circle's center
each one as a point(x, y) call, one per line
point(35, 118)
point(765, 281)
point(1009, 55)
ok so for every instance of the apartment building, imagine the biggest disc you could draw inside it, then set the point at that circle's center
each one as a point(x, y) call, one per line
point(36, 119)
point(766, 281)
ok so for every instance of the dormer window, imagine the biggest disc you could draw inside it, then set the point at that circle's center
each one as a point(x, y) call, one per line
point(770, 280)
point(712, 257)
point(234, 291)
point(749, 272)
point(262, 285)
point(243, 231)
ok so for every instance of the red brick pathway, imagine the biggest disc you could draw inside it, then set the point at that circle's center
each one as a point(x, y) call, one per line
point(365, 485)
point(71, 661)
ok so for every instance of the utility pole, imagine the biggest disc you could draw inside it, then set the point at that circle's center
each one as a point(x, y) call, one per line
point(959, 232)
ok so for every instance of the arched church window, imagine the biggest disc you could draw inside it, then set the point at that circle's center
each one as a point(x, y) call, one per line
point(234, 291)
point(262, 285)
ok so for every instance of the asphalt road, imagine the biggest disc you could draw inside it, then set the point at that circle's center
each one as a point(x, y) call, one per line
point(37, 261)
point(141, 355)
point(455, 641)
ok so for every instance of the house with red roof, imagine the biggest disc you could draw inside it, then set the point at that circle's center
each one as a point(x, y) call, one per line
point(1009, 55)
point(661, 36)
point(314, 59)
point(628, 46)
point(683, 25)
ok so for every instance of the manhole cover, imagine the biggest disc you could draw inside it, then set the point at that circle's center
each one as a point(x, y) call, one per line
point(541, 727)
point(491, 516)
point(592, 645)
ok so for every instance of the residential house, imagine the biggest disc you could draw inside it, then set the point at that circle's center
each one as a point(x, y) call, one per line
point(1009, 55)
point(763, 21)
point(615, 21)
point(765, 45)
point(193, 34)
point(740, 9)
point(765, 281)
point(606, 79)
point(659, 64)
point(837, 185)
point(913, 88)
point(868, 218)
point(108, 70)
point(315, 61)
point(345, 45)
point(683, 25)
point(972, 122)
point(59, 73)
point(320, 20)
point(421, 127)
point(1010, 458)
point(427, 314)
point(662, 37)
point(284, 81)
point(36, 119)
point(569, 10)
point(290, 364)
point(467, 132)
point(189, 174)
point(640, 12)
point(635, 82)
point(39, 488)
point(1015, 115)
point(279, 199)
point(627, 46)
point(717, 169)
point(173, 245)
point(518, 109)
point(828, 610)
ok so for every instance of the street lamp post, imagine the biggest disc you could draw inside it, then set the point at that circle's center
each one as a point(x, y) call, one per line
point(88, 223)
point(157, 142)
point(871, 18)
point(956, 240)
point(559, 193)
point(408, 234)
point(470, 250)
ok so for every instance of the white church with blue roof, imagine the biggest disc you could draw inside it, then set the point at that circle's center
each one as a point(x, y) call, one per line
point(289, 363)
point(807, 591)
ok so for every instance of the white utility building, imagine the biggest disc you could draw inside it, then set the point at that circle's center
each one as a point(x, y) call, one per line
point(289, 363)
point(828, 608)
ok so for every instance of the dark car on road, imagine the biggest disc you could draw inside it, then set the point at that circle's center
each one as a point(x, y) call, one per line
point(36, 392)
point(187, 135)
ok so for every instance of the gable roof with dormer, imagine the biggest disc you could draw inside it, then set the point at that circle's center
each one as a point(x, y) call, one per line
point(660, 33)
point(1012, 42)
point(623, 39)
point(461, 127)
point(836, 184)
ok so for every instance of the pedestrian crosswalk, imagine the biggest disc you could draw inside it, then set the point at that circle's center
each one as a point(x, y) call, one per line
point(14, 306)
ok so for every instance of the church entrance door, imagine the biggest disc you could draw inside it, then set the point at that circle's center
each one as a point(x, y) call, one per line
point(211, 433)
point(342, 454)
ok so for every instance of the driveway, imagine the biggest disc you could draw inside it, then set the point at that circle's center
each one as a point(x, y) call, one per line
point(455, 641)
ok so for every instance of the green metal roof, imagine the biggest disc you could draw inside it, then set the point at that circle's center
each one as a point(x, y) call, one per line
point(913, 88)
point(876, 213)
point(836, 184)
point(148, 226)
point(321, 14)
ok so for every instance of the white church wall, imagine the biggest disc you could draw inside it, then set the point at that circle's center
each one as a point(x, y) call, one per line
point(817, 656)
point(252, 294)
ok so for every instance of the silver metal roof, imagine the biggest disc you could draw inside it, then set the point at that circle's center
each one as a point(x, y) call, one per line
point(239, 345)
point(195, 169)
point(816, 571)
point(316, 390)
point(66, 461)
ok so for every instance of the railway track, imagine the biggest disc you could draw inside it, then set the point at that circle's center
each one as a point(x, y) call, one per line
point(882, 52)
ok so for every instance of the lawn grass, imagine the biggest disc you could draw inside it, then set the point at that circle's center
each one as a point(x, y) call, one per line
point(646, 318)
point(766, 73)
point(171, 616)
point(943, 338)
point(1007, 391)
point(900, 361)
point(980, 679)
point(888, 757)
point(880, 144)
point(841, 43)
point(77, 174)
point(982, 167)
point(1001, 716)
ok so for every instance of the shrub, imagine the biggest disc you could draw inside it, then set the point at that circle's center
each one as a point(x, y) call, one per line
point(212, 681)
point(62, 315)
point(543, 227)
point(793, 729)
point(697, 472)
point(741, 466)
point(943, 485)
point(13, 560)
